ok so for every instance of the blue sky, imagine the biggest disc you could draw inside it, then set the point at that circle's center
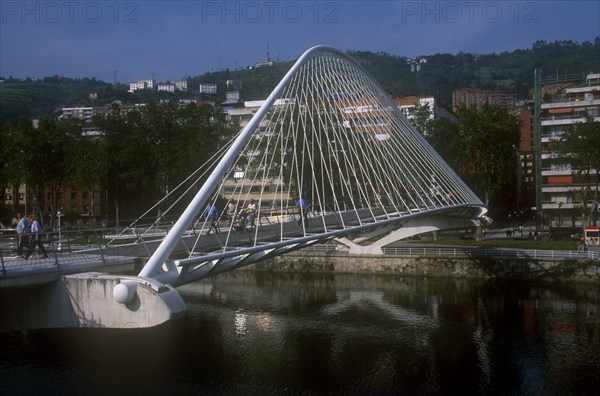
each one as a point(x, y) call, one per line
point(175, 39)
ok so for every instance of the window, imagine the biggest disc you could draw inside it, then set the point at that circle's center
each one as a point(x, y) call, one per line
point(556, 131)
point(560, 167)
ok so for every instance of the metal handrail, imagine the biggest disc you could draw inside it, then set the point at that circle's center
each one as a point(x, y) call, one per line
point(474, 252)
point(61, 247)
point(470, 252)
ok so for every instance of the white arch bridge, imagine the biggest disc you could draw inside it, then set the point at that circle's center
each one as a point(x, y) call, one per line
point(328, 156)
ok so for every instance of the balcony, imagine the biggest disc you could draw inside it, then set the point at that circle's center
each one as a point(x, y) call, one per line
point(569, 103)
point(556, 172)
point(557, 205)
point(559, 189)
point(550, 138)
point(570, 120)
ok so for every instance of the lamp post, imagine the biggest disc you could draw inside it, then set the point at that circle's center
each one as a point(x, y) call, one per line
point(560, 204)
point(518, 172)
point(59, 214)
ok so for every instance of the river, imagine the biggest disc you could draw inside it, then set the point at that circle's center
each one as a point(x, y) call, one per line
point(250, 333)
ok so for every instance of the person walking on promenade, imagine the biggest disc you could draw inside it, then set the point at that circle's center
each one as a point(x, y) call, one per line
point(23, 236)
point(303, 211)
point(36, 238)
point(230, 210)
point(250, 214)
point(212, 213)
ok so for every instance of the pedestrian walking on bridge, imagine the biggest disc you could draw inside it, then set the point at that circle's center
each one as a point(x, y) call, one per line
point(36, 238)
point(23, 234)
point(212, 214)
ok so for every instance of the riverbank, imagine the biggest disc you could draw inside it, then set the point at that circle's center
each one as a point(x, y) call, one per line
point(315, 261)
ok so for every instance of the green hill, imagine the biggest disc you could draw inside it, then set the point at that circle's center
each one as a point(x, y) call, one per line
point(439, 75)
point(32, 98)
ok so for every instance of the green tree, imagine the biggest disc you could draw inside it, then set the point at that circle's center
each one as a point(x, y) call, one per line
point(150, 150)
point(52, 153)
point(421, 118)
point(487, 138)
point(444, 137)
point(130, 161)
point(579, 147)
point(14, 156)
point(86, 162)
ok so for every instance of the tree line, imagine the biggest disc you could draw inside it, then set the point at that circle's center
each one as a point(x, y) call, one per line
point(480, 147)
point(141, 155)
point(135, 158)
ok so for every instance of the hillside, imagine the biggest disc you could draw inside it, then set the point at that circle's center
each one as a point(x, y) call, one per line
point(439, 75)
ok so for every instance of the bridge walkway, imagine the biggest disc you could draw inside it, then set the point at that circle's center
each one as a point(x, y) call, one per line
point(16, 271)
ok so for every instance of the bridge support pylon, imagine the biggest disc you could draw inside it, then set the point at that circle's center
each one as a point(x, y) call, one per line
point(373, 242)
point(93, 300)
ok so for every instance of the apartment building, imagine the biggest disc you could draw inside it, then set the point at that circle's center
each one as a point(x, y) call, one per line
point(525, 162)
point(240, 184)
point(137, 85)
point(208, 88)
point(82, 113)
point(165, 88)
point(180, 85)
point(479, 97)
point(141, 84)
point(407, 103)
point(89, 205)
point(564, 105)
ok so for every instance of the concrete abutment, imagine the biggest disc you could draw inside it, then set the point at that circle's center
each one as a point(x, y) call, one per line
point(87, 300)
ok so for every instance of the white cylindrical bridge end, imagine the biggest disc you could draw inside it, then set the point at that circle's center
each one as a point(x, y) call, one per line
point(125, 292)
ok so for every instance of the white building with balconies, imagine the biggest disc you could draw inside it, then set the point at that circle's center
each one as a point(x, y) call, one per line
point(208, 88)
point(180, 85)
point(571, 103)
point(165, 88)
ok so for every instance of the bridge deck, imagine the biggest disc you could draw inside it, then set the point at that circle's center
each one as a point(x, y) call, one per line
point(18, 271)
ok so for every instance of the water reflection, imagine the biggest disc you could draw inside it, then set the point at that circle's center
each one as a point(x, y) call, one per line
point(390, 333)
point(265, 333)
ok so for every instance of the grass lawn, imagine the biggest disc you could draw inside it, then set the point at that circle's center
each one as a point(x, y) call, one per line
point(511, 244)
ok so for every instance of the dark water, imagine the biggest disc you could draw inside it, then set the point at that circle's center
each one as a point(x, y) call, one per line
point(250, 333)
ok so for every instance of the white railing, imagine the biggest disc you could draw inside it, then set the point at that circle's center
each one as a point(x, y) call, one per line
point(473, 252)
point(62, 248)
point(468, 252)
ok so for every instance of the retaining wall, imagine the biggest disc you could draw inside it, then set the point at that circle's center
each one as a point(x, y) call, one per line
point(486, 268)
